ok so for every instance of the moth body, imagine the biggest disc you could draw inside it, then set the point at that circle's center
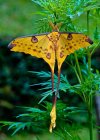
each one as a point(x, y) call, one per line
point(54, 37)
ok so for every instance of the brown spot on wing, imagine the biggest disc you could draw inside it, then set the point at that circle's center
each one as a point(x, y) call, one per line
point(34, 50)
point(69, 37)
point(10, 46)
point(48, 55)
point(39, 51)
point(51, 47)
point(61, 54)
point(70, 47)
point(34, 39)
point(45, 50)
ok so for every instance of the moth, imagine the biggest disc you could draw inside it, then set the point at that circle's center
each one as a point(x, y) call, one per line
point(52, 47)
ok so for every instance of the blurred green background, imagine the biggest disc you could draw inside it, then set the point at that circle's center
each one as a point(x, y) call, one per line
point(17, 18)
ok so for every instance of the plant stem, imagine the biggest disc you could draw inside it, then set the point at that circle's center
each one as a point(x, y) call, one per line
point(90, 119)
point(89, 61)
point(88, 22)
point(78, 66)
point(88, 52)
point(77, 75)
point(90, 95)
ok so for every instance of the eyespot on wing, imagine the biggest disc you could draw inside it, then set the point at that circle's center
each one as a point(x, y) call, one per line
point(69, 37)
point(11, 45)
point(34, 39)
point(89, 40)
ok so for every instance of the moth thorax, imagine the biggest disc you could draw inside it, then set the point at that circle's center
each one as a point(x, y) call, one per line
point(53, 37)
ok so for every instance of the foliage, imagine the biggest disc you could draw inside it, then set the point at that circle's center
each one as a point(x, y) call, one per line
point(60, 8)
point(83, 88)
point(66, 12)
point(37, 120)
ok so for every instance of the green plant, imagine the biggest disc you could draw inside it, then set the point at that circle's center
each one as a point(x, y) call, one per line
point(37, 120)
